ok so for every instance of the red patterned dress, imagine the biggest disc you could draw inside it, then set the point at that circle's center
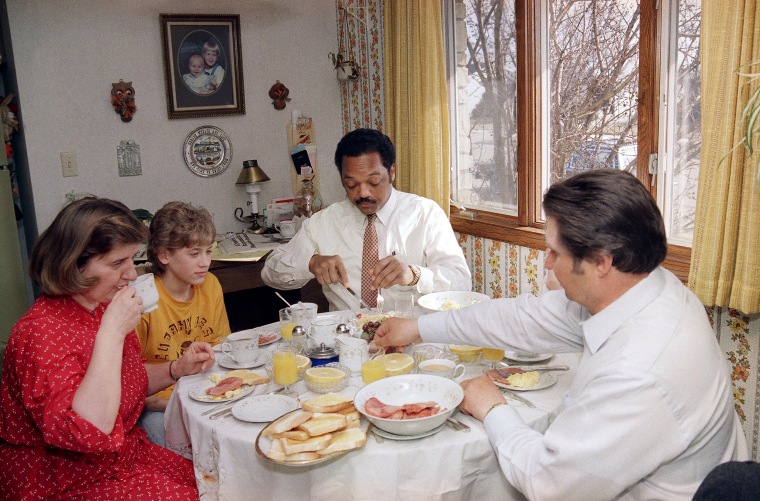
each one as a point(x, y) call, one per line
point(47, 450)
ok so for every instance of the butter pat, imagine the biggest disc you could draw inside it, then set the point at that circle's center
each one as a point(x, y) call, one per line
point(524, 379)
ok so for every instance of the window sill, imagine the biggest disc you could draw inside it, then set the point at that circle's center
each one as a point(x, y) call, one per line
point(505, 229)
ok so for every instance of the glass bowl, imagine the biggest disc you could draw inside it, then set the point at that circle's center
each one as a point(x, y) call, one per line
point(327, 384)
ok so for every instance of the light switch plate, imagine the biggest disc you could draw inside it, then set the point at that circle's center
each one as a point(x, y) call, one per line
point(69, 164)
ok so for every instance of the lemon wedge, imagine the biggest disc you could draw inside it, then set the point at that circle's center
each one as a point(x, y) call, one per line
point(465, 352)
point(324, 375)
point(397, 363)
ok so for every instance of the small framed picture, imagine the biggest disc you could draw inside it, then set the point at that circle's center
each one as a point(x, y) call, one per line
point(203, 67)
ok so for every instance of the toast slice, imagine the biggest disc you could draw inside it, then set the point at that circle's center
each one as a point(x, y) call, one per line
point(287, 422)
point(329, 402)
point(323, 423)
point(313, 444)
point(351, 438)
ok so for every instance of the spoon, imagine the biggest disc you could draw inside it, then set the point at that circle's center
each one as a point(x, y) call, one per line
point(283, 299)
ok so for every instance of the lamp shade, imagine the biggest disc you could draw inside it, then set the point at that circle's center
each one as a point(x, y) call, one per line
point(251, 173)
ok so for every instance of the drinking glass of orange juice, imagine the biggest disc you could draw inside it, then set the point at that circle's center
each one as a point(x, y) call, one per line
point(286, 324)
point(373, 368)
point(285, 369)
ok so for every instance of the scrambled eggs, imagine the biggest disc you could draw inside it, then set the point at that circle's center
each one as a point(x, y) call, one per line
point(524, 379)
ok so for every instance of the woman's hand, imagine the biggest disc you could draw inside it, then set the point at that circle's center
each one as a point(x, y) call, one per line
point(198, 357)
point(123, 313)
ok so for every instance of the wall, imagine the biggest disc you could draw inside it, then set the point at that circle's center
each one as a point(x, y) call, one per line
point(69, 52)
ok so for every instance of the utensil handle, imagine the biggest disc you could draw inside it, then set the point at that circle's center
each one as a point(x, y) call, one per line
point(519, 398)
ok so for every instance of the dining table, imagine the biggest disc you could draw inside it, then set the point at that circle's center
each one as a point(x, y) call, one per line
point(449, 465)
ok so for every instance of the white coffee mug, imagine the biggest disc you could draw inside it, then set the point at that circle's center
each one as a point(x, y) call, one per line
point(441, 367)
point(303, 314)
point(242, 347)
point(287, 228)
point(353, 352)
point(146, 289)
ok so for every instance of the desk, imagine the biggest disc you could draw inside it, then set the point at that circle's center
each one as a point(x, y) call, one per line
point(447, 466)
point(252, 303)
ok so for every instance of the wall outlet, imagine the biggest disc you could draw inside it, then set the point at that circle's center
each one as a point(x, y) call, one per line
point(69, 164)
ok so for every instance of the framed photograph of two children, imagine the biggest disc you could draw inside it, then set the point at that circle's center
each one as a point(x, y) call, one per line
point(203, 66)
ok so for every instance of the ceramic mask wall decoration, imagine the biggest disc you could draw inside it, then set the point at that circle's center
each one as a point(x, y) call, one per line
point(123, 99)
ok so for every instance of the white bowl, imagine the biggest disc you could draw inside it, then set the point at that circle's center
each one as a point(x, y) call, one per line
point(410, 389)
point(450, 300)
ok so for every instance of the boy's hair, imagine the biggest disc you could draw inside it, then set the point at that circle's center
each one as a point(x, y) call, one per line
point(211, 45)
point(190, 59)
point(177, 225)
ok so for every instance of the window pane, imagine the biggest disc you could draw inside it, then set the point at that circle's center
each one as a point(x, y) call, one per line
point(486, 105)
point(593, 63)
point(684, 141)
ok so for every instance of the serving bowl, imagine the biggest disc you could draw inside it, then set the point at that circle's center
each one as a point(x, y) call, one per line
point(326, 383)
point(449, 300)
point(410, 389)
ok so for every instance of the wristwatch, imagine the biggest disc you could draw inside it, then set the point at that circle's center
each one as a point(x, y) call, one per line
point(416, 272)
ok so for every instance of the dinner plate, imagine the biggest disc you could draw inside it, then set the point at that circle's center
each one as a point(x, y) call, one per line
point(198, 392)
point(393, 436)
point(526, 357)
point(226, 361)
point(263, 443)
point(546, 380)
point(263, 408)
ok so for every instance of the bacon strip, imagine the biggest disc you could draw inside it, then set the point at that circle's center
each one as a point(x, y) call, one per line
point(225, 385)
point(376, 408)
point(498, 378)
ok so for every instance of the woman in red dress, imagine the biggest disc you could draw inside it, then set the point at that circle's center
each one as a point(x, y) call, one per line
point(73, 381)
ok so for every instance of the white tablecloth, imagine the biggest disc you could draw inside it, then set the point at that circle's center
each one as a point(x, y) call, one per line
point(449, 465)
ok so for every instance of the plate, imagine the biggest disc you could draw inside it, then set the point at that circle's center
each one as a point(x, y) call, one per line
point(527, 357)
point(263, 408)
point(225, 361)
point(393, 436)
point(547, 379)
point(267, 339)
point(263, 443)
point(207, 151)
point(198, 392)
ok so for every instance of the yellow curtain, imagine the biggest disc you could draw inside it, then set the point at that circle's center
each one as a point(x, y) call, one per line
point(416, 103)
point(725, 260)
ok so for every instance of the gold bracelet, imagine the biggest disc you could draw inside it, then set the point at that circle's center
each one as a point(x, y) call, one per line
point(171, 364)
point(498, 404)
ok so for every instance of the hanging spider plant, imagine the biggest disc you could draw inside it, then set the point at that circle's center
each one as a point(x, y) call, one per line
point(751, 117)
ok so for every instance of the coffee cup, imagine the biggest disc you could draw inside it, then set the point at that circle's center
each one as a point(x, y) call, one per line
point(242, 347)
point(441, 367)
point(353, 351)
point(302, 314)
point(146, 289)
point(322, 330)
point(287, 228)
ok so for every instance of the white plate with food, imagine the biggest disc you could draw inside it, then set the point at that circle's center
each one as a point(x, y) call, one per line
point(226, 361)
point(545, 380)
point(198, 392)
point(263, 408)
point(526, 357)
point(450, 300)
point(393, 436)
point(265, 339)
point(353, 438)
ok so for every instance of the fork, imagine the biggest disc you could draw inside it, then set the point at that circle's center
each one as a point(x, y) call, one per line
point(380, 301)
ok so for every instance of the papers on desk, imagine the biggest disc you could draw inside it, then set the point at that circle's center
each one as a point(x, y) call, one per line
point(243, 247)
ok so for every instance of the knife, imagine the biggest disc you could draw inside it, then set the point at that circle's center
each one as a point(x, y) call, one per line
point(527, 368)
point(518, 398)
point(357, 297)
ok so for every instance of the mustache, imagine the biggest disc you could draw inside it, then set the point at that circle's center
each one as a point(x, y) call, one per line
point(365, 200)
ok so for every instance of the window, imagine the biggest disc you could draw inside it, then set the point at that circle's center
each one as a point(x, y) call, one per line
point(545, 89)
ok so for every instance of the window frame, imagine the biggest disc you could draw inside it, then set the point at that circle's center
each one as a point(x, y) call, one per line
point(527, 229)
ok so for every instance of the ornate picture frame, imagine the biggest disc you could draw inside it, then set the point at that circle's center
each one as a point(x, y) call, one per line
point(207, 151)
point(203, 68)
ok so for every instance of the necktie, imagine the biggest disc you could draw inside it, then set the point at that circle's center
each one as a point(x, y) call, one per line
point(369, 260)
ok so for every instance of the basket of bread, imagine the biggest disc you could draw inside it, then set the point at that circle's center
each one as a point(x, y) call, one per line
point(323, 428)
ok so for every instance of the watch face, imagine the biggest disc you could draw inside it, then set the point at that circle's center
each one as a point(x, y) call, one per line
point(207, 151)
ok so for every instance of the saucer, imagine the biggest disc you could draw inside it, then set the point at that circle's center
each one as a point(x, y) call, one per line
point(225, 361)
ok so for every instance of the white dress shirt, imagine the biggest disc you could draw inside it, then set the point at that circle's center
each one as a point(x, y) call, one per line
point(413, 227)
point(651, 409)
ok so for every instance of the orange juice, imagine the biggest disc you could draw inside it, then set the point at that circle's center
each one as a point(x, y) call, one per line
point(492, 354)
point(286, 330)
point(284, 367)
point(372, 370)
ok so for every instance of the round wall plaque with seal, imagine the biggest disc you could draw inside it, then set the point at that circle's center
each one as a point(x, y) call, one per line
point(207, 151)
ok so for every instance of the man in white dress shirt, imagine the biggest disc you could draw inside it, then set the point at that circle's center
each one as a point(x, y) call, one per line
point(417, 247)
point(651, 410)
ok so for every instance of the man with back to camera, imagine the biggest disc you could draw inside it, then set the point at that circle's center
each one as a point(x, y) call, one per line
point(416, 245)
point(651, 410)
